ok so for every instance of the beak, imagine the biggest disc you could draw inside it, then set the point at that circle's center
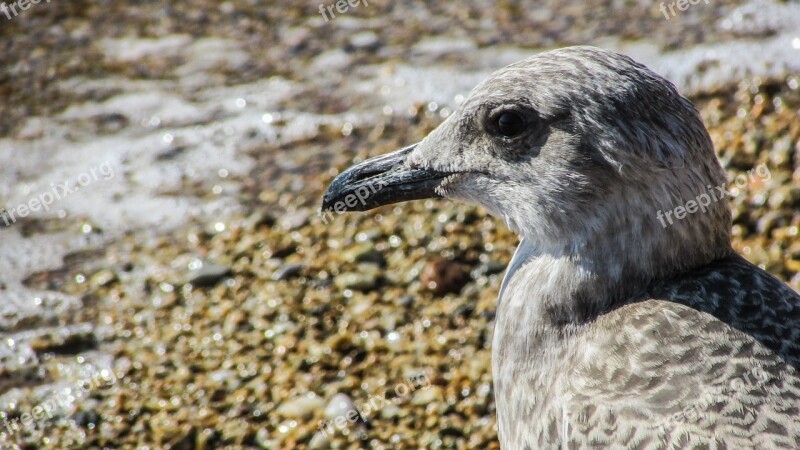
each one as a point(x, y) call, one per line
point(379, 181)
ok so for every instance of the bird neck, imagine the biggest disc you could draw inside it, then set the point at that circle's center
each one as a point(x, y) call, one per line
point(550, 288)
point(572, 282)
point(581, 262)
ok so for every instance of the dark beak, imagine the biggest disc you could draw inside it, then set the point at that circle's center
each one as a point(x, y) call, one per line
point(379, 181)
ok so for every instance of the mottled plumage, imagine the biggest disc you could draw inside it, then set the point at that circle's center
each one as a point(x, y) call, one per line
point(612, 330)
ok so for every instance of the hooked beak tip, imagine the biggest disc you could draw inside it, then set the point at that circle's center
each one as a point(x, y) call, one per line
point(379, 181)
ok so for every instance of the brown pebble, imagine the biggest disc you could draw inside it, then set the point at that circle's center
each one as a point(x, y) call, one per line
point(443, 276)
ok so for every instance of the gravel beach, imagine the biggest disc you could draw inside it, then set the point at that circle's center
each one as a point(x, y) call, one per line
point(180, 290)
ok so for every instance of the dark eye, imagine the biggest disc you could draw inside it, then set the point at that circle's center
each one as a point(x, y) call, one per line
point(510, 123)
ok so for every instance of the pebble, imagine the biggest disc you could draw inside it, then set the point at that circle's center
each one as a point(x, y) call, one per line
point(443, 276)
point(363, 280)
point(785, 197)
point(293, 221)
point(770, 221)
point(301, 407)
point(363, 253)
point(264, 440)
point(428, 395)
point(338, 406)
point(391, 411)
point(103, 278)
point(208, 275)
point(66, 341)
point(319, 442)
point(364, 40)
point(287, 271)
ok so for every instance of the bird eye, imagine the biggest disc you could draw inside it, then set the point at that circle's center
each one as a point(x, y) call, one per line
point(510, 123)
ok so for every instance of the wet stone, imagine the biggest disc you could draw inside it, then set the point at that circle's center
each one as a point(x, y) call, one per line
point(365, 40)
point(208, 275)
point(287, 271)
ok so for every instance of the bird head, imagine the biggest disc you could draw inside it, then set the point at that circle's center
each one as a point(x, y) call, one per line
point(568, 147)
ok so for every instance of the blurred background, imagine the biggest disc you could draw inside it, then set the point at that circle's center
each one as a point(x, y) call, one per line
point(165, 280)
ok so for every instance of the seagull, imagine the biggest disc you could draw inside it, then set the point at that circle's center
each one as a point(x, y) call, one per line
point(614, 328)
